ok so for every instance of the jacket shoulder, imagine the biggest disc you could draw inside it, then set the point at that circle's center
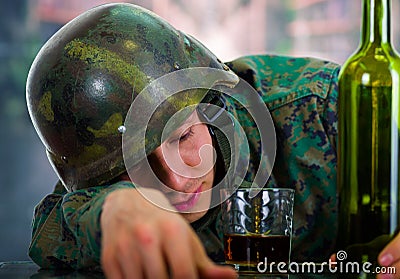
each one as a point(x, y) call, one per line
point(283, 79)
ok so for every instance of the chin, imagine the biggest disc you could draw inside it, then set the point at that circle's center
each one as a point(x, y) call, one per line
point(192, 217)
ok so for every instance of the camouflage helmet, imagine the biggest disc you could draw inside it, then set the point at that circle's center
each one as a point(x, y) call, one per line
point(83, 80)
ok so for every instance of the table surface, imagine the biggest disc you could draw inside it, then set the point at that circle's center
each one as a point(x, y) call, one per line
point(28, 269)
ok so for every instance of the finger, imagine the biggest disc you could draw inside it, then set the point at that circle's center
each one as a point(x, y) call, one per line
point(178, 251)
point(218, 272)
point(148, 245)
point(389, 272)
point(207, 268)
point(127, 257)
point(391, 253)
point(110, 265)
point(108, 258)
point(130, 264)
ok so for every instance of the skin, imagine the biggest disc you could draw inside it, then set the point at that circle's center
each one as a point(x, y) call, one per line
point(390, 257)
point(143, 240)
point(184, 164)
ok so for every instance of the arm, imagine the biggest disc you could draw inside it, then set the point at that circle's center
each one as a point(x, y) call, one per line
point(46, 222)
point(129, 239)
point(66, 228)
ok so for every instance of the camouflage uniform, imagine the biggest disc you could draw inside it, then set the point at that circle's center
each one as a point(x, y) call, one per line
point(301, 94)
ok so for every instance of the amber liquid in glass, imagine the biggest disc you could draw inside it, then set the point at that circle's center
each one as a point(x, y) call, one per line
point(251, 249)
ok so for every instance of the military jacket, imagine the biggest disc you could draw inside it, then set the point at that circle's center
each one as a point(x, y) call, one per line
point(301, 95)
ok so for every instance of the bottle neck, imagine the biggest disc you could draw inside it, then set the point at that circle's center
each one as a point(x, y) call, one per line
point(376, 22)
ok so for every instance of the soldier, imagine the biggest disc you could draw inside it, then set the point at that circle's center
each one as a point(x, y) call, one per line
point(80, 92)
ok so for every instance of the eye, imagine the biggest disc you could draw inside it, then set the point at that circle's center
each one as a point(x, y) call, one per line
point(186, 135)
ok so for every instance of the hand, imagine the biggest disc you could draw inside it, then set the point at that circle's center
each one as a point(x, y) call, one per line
point(390, 257)
point(140, 240)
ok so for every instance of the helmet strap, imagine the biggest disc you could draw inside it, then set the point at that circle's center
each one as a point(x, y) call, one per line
point(217, 120)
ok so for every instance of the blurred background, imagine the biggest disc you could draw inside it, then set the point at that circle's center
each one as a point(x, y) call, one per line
point(323, 28)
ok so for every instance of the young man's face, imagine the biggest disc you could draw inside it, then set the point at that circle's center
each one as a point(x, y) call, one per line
point(185, 163)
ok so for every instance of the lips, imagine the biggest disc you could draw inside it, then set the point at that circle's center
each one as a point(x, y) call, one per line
point(189, 203)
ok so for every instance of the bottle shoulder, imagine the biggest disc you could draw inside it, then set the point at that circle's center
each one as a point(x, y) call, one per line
point(378, 62)
point(376, 56)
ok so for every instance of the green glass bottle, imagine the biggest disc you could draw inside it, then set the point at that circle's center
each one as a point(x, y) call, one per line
point(368, 142)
